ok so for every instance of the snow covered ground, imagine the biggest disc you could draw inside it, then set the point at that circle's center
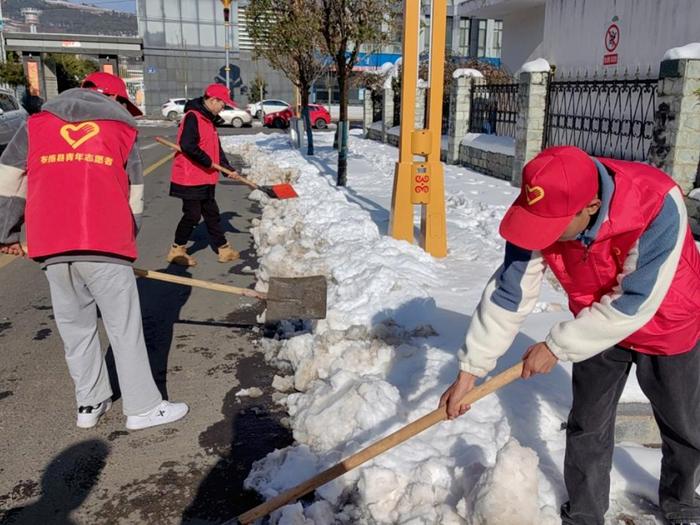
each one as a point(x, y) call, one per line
point(388, 349)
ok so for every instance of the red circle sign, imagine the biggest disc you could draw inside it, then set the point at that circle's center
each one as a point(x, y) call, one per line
point(612, 38)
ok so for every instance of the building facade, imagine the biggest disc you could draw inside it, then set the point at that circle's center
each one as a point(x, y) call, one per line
point(590, 35)
point(183, 49)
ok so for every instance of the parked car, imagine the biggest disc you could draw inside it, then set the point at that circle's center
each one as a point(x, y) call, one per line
point(266, 106)
point(12, 115)
point(174, 108)
point(319, 116)
point(236, 117)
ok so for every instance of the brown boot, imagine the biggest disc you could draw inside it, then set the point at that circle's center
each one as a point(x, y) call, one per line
point(228, 254)
point(178, 255)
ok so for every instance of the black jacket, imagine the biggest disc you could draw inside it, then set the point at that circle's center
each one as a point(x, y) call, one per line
point(189, 142)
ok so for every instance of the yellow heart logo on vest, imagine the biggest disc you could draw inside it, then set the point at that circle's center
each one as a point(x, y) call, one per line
point(534, 195)
point(78, 134)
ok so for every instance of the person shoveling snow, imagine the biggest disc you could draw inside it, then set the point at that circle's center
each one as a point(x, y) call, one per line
point(616, 236)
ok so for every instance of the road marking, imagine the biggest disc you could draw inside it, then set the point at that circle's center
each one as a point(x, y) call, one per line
point(6, 259)
point(149, 146)
point(153, 167)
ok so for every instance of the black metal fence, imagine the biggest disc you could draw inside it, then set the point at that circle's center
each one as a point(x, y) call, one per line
point(494, 109)
point(397, 107)
point(446, 109)
point(612, 118)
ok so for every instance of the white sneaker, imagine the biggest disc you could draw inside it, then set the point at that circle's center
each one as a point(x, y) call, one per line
point(164, 413)
point(89, 415)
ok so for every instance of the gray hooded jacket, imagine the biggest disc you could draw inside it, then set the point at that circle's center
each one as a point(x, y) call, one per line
point(73, 105)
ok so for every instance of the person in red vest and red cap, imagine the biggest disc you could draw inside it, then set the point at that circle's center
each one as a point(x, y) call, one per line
point(616, 236)
point(194, 179)
point(73, 173)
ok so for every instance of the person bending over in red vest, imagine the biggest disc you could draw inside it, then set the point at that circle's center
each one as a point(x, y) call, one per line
point(616, 236)
point(74, 174)
point(194, 179)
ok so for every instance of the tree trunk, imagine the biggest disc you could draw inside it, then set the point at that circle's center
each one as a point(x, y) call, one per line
point(307, 119)
point(343, 127)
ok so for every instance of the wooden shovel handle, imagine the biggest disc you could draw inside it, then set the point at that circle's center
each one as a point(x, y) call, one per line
point(196, 283)
point(380, 446)
point(231, 174)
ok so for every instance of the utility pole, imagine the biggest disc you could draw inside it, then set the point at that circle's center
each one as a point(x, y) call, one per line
point(227, 40)
point(2, 36)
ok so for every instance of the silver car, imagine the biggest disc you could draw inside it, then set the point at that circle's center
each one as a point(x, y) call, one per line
point(12, 115)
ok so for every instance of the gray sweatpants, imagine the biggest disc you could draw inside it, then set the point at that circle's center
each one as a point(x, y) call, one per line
point(77, 290)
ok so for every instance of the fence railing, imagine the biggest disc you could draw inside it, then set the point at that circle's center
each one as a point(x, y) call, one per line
point(494, 109)
point(397, 107)
point(612, 118)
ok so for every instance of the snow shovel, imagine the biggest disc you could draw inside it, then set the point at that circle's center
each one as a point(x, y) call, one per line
point(364, 455)
point(279, 191)
point(287, 298)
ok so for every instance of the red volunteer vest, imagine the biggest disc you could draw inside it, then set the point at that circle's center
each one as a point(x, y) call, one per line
point(185, 171)
point(589, 274)
point(78, 188)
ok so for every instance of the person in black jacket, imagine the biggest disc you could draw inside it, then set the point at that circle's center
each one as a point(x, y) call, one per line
point(194, 178)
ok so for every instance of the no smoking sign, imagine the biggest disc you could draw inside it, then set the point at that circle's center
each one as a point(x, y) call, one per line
point(612, 40)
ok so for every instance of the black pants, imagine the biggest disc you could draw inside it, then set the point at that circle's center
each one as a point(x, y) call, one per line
point(192, 211)
point(672, 384)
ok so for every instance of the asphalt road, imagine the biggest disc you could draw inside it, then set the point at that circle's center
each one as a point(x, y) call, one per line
point(202, 349)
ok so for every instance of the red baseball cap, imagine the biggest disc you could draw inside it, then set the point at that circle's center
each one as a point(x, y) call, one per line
point(111, 85)
point(221, 92)
point(557, 184)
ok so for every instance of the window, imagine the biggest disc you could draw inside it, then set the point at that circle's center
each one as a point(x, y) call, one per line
point(497, 38)
point(463, 48)
point(448, 36)
point(481, 49)
point(173, 34)
point(154, 9)
point(189, 10)
point(207, 10)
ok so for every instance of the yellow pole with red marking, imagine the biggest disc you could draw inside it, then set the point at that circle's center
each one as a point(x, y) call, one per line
point(421, 182)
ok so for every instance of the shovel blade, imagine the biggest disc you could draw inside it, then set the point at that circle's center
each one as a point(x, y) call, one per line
point(296, 298)
point(284, 191)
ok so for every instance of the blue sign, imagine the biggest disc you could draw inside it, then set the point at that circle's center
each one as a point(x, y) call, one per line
point(151, 70)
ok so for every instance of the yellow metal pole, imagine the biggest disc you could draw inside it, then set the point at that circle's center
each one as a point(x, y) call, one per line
point(401, 222)
point(433, 221)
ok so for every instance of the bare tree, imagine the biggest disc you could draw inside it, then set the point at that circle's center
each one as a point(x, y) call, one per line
point(287, 33)
point(347, 26)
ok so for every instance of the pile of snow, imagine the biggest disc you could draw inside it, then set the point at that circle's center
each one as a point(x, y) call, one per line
point(468, 73)
point(539, 65)
point(493, 143)
point(691, 51)
point(507, 492)
point(387, 350)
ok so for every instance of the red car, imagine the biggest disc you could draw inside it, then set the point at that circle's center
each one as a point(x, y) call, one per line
point(319, 115)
